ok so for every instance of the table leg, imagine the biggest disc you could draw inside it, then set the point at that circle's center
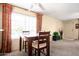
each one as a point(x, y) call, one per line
point(30, 47)
point(20, 44)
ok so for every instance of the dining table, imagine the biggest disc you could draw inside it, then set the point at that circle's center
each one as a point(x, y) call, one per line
point(30, 39)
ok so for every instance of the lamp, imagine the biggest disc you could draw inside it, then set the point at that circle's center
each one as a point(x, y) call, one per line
point(36, 7)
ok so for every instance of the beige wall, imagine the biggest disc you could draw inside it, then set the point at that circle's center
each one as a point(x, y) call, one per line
point(51, 24)
point(0, 24)
point(69, 29)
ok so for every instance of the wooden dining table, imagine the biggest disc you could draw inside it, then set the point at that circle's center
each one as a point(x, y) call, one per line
point(30, 39)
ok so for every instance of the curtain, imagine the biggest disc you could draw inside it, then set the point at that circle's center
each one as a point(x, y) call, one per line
point(6, 25)
point(39, 22)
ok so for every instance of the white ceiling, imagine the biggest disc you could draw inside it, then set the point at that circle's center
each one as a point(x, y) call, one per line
point(62, 11)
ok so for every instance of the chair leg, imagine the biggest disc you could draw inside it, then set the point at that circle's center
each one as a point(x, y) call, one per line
point(35, 52)
point(43, 50)
point(23, 44)
point(25, 47)
point(48, 53)
point(38, 52)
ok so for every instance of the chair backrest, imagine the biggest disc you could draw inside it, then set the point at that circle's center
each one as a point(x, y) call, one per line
point(25, 32)
point(44, 33)
point(44, 37)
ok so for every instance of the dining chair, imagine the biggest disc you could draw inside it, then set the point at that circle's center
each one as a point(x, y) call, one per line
point(25, 42)
point(42, 43)
point(44, 33)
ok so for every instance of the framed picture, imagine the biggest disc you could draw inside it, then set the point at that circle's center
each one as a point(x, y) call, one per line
point(77, 26)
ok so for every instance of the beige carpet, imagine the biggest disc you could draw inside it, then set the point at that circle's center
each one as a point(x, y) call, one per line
point(58, 48)
point(65, 48)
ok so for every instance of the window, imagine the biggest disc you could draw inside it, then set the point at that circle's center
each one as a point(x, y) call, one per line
point(22, 23)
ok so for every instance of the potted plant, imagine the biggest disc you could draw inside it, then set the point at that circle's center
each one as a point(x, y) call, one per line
point(56, 36)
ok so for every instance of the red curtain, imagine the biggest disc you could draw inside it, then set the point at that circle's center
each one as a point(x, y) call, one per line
point(6, 25)
point(39, 22)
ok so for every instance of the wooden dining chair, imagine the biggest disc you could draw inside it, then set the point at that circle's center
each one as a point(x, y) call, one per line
point(44, 33)
point(25, 42)
point(42, 44)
